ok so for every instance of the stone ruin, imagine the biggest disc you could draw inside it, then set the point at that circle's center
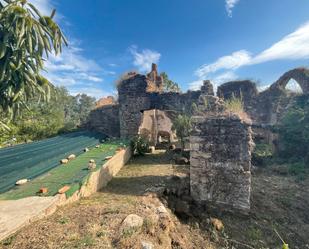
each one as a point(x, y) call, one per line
point(221, 142)
point(220, 158)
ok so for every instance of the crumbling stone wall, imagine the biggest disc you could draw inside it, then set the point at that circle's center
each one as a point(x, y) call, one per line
point(105, 119)
point(220, 163)
point(140, 93)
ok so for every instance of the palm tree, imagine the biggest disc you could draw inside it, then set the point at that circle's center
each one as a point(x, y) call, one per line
point(26, 38)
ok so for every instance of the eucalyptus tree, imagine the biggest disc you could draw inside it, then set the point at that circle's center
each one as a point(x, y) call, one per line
point(26, 38)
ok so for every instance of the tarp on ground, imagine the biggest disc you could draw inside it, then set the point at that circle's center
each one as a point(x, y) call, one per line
point(27, 161)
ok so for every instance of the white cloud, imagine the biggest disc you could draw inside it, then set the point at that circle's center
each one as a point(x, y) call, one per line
point(216, 80)
point(71, 67)
point(291, 47)
point(229, 5)
point(233, 61)
point(91, 91)
point(144, 58)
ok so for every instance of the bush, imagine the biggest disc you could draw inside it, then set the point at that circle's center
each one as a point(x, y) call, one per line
point(262, 154)
point(139, 145)
point(294, 131)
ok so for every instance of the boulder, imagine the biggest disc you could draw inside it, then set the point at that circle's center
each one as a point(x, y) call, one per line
point(97, 146)
point(91, 161)
point(21, 181)
point(132, 221)
point(64, 161)
point(86, 149)
point(108, 157)
point(71, 157)
point(147, 245)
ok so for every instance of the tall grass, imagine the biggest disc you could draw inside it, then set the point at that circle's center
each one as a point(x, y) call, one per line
point(235, 105)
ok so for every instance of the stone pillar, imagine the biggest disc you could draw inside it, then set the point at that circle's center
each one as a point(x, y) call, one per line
point(220, 167)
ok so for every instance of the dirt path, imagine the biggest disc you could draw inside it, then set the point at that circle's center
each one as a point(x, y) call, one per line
point(95, 222)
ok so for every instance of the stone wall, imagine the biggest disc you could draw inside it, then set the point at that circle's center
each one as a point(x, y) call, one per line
point(220, 164)
point(135, 98)
point(105, 120)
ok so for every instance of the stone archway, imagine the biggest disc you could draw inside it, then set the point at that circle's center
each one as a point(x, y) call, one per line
point(300, 75)
point(156, 126)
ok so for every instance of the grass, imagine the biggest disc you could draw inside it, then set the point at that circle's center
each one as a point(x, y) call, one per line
point(235, 105)
point(74, 174)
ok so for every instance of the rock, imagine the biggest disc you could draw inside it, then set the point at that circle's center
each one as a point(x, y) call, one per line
point(218, 224)
point(86, 149)
point(91, 161)
point(71, 157)
point(91, 166)
point(162, 212)
point(21, 182)
point(108, 157)
point(64, 161)
point(97, 146)
point(147, 245)
point(132, 221)
point(181, 160)
point(64, 189)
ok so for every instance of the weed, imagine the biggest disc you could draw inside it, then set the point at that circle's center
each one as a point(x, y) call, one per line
point(254, 234)
point(126, 233)
point(235, 105)
point(64, 220)
point(8, 241)
point(87, 240)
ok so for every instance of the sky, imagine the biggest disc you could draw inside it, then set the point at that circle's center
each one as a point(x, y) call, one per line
point(219, 40)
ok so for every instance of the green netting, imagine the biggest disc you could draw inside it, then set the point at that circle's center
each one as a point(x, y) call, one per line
point(34, 159)
point(74, 174)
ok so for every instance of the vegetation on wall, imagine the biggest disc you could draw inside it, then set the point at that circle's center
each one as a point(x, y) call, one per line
point(235, 105)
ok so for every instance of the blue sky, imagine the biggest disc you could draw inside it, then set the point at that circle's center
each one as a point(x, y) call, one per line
point(220, 40)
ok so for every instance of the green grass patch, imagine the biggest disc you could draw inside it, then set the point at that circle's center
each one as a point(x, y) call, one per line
point(74, 174)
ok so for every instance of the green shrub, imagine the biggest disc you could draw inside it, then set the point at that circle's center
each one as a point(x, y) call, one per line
point(297, 169)
point(262, 154)
point(294, 131)
point(139, 145)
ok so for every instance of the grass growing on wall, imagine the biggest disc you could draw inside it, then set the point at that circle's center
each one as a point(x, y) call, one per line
point(74, 174)
point(235, 105)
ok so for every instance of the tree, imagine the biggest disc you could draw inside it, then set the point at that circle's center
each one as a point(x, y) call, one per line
point(182, 125)
point(86, 104)
point(26, 37)
point(294, 130)
point(169, 85)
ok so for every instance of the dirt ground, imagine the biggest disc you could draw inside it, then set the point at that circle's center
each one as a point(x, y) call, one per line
point(278, 202)
point(95, 222)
